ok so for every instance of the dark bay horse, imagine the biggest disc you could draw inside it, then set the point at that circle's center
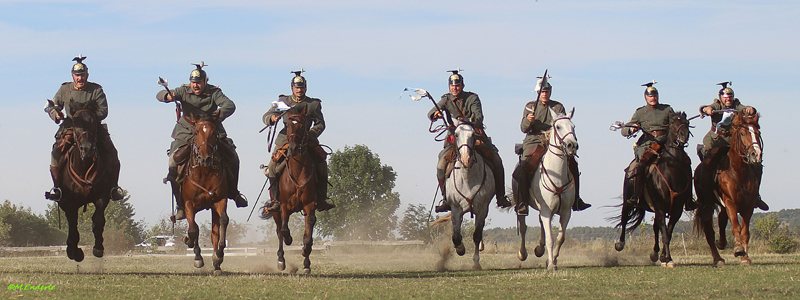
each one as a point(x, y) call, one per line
point(84, 178)
point(667, 188)
point(205, 186)
point(297, 187)
point(736, 190)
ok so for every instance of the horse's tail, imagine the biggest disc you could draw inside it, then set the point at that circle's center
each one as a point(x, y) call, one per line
point(634, 217)
point(265, 214)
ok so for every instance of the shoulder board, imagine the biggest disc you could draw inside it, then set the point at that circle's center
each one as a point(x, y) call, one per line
point(640, 107)
point(445, 95)
point(531, 102)
point(95, 83)
point(314, 99)
point(185, 85)
point(716, 100)
point(66, 83)
point(212, 87)
point(470, 93)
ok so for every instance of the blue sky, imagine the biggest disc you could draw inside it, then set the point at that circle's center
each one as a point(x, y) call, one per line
point(361, 54)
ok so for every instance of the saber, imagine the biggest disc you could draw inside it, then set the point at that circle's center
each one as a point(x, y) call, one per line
point(259, 196)
point(165, 84)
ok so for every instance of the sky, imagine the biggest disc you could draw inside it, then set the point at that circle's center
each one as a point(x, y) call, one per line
point(360, 55)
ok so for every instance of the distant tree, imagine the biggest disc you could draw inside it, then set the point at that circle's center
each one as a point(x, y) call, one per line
point(362, 190)
point(24, 228)
point(234, 233)
point(415, 224)
point(5, 229)
point(120, 233)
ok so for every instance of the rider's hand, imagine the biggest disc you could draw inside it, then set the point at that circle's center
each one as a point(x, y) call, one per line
point(437, 115)
point(529, 117)
point(707, 110)
point(749, 110)
point(273, 118)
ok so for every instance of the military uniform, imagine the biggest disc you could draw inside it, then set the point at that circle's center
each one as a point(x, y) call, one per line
point(654, 123)
point(91, 92)
point(719, 138)
point(542, 121)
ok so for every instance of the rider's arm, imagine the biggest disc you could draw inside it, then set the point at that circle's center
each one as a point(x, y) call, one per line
point(102, 103)
point(58, 105)
point(319, 120)
point(632, 126)
point(433, 110)
point(162, 95)
point(225, 104)
point(525, 124)
point(476, 109)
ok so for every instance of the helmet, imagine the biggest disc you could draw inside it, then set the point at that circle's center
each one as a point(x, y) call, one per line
point(650, 90)
point(79, 67)
point(725, 89)
point(455, 78)
point(298, 81)
point(198, 75)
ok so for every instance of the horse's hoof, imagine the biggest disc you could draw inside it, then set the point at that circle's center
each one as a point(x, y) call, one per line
point(718, 263)
point(619, 246)
point(188, 242)
point(739, 251)
point(670, 264)
point(287, 240)
point(199, 263)
point(654, 256)
point(522, 255)
point(477, 267)
point(460, 250)
point(97, 252)
point(217, 272)
point(745, 261)
point(721, 245)
point(552, 267)
point(281, 266)
point(77, 255)
point(538, 251)
point(306, 271)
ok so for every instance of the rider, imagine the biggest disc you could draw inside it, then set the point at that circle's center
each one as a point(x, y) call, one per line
point(653, 120)
point(277, 163)
point(198, 97)
point(466, 106)
point(536, 120)
point(81, 91)
point(717, 141)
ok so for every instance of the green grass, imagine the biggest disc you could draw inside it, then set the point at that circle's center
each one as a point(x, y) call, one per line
point(403, 275)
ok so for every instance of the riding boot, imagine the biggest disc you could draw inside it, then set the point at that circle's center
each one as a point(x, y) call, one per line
point(172, 178)
point(522, 194)
point(499, 181)
point(275, 204)
point(233, 176)
point(639, 182)
point(628, 186)
point(578, 205)
point(116, 193)
point(322, 188)
point(760, 203)
point(54, 193)
point(444, 205)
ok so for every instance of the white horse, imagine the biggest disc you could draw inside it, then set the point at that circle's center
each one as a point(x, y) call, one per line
point(469, 188)
point(552, 188)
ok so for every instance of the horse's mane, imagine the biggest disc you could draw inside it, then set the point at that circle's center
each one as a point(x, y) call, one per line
point(742, 119)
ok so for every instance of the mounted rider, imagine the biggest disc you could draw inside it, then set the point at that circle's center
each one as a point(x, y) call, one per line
point(536, 121)
point(298, 101)
point(716, 142)
point(466, 106)
point(200, 98)
point(80, 90)
point(653, 120)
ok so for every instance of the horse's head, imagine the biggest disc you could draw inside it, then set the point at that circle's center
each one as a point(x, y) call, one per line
point(562, 136)
point(204, 146)
point(296, 131)
point(84, 126)
point(746, 137)
point(464, 134)
point(678, 135)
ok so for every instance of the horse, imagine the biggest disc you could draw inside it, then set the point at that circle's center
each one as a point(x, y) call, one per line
point(469, 188)
point(84, 178)
point(667, 189)
point(552, 189)
point(205, 186)
point(736, 190)
point(297, 187)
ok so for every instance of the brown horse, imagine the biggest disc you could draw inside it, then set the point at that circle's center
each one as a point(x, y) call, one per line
point(297, 187)
point(84, 178)
point(667, 188)
point(205, 186)
point(736, 189)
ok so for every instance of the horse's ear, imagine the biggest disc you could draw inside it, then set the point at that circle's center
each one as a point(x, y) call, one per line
point(216, 115)
point(571, 113)
point(304, 111)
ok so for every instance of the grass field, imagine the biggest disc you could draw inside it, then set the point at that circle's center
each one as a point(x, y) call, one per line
point(402, 275)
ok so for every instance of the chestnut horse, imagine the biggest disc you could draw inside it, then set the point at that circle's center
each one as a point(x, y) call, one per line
point(205, 186)
point(84, 178)
point(668, 186)
point(735, 190)
point(297, 187)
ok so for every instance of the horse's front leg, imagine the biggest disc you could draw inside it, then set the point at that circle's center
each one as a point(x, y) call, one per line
point(674, 217)
point(523, 228)
point(457, 216)
point(192, 239)
point(73, 236)
point(308, 238)
point(477, 237)
point(564, 217)
point(278, 222)
point(722, 220)
point(658, 226)
point(745, 235)
point(219, 221)
point(736, 229)
point(283, 227)
point(539, 249)
point(98, 224)
point(624, 216)
point(545, 216)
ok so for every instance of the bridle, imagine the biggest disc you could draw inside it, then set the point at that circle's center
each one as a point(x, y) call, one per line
point(560, 140)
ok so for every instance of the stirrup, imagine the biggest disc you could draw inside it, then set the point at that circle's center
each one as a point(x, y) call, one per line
point(323, 205)
point(580, 205)
point(180, 214)
point(522, 209)
point(117, 193)
point(442, 207)
point(54, 194)
point(241, 200)
point(503, 202)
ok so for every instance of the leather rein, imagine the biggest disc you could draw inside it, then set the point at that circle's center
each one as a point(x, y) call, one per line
point(86, 180)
